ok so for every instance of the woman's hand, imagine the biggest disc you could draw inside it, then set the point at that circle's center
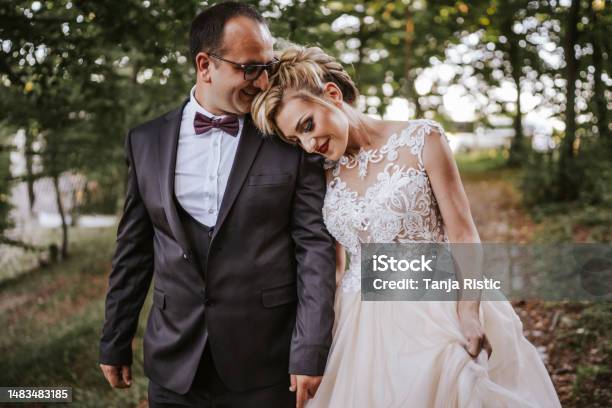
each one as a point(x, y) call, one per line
point(473, 332)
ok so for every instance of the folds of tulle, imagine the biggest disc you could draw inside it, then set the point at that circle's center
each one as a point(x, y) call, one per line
point(411, 354)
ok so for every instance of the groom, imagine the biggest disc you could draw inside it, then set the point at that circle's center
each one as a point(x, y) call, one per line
point(229, 224)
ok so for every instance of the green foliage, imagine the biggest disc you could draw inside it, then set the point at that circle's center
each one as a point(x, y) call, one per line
point(539, 184)
point(102, 195)
point(596, 168)
point(76, 75)
point(482, 161)
point(590, 170)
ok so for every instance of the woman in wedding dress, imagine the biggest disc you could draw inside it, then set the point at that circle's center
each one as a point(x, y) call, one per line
point(396, 182)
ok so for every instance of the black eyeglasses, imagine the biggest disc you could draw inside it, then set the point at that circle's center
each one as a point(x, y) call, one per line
point(251, 71)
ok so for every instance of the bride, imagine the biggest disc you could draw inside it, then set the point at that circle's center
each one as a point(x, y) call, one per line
point(396, 182)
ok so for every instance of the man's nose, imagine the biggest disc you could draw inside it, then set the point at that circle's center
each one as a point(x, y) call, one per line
point(262, 81)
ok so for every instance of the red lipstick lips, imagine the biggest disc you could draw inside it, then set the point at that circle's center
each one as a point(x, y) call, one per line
point(323, 148)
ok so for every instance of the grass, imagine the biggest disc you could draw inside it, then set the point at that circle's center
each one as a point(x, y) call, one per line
point(52, 322)
point(481, 161)
point(487, 166)
point(573, 222)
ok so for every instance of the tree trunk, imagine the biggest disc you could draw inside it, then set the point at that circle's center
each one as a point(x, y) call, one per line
point(567, 180)
point(411, 92)
point(599, 97)
point(518, 142)
point(29, 154)
point(60, 209)
point(363, 38)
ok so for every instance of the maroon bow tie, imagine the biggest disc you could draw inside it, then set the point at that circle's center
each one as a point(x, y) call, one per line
point(203, 124)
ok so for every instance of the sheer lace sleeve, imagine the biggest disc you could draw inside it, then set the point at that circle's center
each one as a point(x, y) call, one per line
point(416, 138)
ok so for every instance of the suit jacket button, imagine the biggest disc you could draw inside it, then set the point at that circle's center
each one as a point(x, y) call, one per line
point(186, 257)
point(208, 302)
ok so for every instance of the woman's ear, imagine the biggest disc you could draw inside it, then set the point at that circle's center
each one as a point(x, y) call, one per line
point(331, 90)
point(203, 63)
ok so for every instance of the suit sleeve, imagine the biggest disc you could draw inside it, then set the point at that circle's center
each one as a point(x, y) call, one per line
point(316, 268)
point(130, 277)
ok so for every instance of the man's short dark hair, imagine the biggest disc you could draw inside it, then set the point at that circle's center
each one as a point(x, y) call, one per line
point(207, 28)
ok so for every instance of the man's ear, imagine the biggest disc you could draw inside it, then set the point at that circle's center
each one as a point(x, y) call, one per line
point(333, 92)
point(203, 64)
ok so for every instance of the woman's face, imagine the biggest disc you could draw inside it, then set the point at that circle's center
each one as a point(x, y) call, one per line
point(316, 128)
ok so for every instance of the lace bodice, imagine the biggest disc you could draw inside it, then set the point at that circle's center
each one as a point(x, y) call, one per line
point(383, 196)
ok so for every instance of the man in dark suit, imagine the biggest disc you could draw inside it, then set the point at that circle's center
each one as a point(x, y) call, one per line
point(229, 225)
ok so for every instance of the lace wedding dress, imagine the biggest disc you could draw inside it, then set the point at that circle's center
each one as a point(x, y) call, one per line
point(410, 354)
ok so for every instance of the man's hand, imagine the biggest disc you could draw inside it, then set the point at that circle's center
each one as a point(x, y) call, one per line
point(306, 387)
point(117, 376)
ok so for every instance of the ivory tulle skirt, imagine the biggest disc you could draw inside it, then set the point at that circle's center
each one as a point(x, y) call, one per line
point(410, 354)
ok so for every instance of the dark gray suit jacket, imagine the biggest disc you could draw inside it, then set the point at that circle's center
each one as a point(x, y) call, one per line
point(267, 296)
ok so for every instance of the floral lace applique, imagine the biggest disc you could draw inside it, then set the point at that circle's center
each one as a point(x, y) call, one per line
point(398, 206)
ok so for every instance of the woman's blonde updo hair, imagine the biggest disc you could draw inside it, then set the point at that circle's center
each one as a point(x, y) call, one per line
point(305, 70)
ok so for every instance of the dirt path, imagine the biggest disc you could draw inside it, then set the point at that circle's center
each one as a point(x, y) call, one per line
point(496, 208)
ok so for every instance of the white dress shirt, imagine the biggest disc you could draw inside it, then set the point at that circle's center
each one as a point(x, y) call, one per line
point(203, 164)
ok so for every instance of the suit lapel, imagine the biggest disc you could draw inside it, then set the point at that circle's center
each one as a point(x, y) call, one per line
point(248, 146)
point(168, 145)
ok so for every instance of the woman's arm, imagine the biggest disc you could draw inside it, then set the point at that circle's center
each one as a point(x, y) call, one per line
point(460, 228)
point(448, 189)
point(340, 262)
